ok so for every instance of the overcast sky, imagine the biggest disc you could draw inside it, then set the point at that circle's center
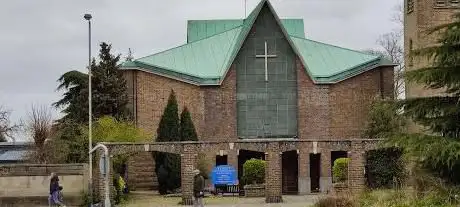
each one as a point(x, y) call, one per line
point(40, 40)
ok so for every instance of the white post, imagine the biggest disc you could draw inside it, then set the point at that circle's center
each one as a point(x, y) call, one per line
point(88, 17)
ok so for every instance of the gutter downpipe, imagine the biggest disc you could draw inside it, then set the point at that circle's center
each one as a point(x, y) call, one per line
point(107, 168)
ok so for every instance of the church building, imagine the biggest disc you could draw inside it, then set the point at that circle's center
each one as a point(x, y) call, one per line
point(261, 78)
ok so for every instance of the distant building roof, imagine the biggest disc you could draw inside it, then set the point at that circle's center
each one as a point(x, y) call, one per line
point(13, 155)
point(14, 151)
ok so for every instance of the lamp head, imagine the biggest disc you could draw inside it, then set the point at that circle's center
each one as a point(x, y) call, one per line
point(88, 17)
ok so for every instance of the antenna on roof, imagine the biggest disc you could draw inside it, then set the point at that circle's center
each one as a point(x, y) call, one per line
point(130, 56)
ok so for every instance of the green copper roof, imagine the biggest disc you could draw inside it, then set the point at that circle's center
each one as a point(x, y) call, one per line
point(212, 46)
point(323, 60)
point(205, 58)
point(202, 29)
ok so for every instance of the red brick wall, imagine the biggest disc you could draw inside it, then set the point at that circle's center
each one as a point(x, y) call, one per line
point(350, 101)
point(313, 108)
point(152, 96)
point(338, 111)
point(220, 113)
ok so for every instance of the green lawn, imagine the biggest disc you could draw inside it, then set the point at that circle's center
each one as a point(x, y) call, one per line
point(156, 200)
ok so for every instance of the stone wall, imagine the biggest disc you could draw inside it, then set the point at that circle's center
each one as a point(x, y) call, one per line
point(27, 184)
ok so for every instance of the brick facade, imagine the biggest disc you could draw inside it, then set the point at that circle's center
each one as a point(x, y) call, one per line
point(326, 112)
point(336, 111)
point(416, 23)
point(424, 17)
point(150, 96)
point(273, 151)
point(220, 110)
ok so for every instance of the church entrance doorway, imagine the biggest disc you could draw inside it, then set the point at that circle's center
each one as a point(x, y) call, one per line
point(290, 171)
point(315, 166)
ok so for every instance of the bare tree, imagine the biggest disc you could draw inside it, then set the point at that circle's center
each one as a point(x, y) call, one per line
point(7, 129)
point(392, 48)
point(38, 124)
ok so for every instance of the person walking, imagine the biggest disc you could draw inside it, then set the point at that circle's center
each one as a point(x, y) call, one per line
point(198, 189)
point(55, 191)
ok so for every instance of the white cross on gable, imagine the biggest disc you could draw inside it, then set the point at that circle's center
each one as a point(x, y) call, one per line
point(266, 56)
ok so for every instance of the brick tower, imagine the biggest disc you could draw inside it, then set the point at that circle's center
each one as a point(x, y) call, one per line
point(419, 16)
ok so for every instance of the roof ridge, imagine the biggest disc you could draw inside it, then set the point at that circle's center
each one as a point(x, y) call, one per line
point(185, 44)
point(364, 53)
point(351, 68)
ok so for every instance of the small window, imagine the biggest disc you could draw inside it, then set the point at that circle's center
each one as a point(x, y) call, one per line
point(454, 3)
point(411, 58)
point(440, 3)
point(410, 6)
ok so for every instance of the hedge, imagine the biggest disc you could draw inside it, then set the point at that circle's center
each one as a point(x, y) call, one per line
point(254, 171)
point(340, 169)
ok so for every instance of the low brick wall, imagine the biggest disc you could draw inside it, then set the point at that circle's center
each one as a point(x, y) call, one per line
point(254, 190)
point(341, 189)
point(28, 184)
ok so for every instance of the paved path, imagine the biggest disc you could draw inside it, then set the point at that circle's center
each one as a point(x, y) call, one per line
point(148, 199)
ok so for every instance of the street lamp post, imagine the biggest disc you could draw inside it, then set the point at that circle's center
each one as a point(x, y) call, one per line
point(90, 110)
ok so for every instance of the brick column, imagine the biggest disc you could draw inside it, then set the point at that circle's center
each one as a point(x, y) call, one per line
point(325, 181)
point(304, 172)
point(232, 157)
point(273, 172)
point(188, 160)
point(356, 173)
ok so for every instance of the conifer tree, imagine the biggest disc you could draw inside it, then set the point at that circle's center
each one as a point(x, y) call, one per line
point(167, 166)
point(187, 129)
point(109, 97)
point(440, 113)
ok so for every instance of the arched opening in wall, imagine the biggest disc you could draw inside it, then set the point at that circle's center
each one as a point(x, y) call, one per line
point(290, 169)
point(245, 155)
point(334, 156)
point(140, 173)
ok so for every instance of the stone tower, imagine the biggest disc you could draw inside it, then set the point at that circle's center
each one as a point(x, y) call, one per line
point(420, 15)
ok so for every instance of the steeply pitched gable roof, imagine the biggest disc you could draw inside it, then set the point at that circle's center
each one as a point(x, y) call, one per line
point(213, 45)
point(202, 29)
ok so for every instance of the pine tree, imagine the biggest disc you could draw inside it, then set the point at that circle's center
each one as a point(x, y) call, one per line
point(439, 113)
point(187, 129)
point(109, 92)
point(109, 97)
point(168, 131)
